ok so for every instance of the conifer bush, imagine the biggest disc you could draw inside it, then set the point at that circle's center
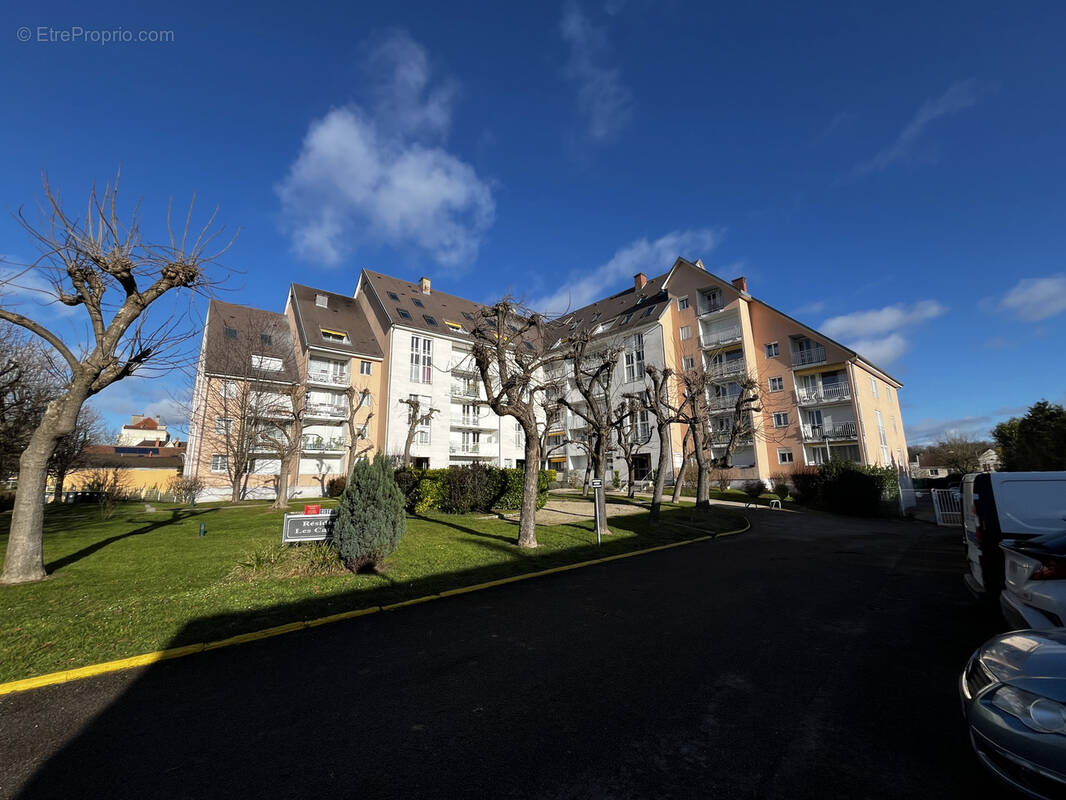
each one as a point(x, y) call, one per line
point(370, 517)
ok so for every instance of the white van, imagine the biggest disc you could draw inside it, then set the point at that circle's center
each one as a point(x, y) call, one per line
point(1006, 505)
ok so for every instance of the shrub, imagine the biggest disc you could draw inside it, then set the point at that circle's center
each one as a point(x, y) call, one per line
point(754, 488)
point(335, 486)
point(370, 519)
point(460, 490)
point(807, 486)
point(846, 488)
point(780, 485)
point(184, 489)
point(616, 481)
point(722, 478)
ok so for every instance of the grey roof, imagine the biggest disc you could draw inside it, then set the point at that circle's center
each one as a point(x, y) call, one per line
point(342, 313)
point(232, 354)
point(440, 306)
point(642, 306)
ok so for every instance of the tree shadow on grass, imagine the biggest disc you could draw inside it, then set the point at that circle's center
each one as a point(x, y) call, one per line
point(176, 515)
point(512, 540)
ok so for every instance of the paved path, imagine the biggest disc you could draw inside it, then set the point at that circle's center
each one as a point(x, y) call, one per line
point(814, 657)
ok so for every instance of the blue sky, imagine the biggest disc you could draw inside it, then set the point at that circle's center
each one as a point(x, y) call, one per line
point(892, 175)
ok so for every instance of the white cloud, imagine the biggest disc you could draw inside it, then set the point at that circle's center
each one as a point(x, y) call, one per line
point(642, 255)
point(149, 396)
point(1034, 299)
point(881, 320)
point(384, 177)
point(958, 97)
point(883, 350)
point(21, 286)
point(817, 307)
point(604, 102)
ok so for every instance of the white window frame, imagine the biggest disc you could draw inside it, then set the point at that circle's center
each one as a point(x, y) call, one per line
point(785, 451)
point(682, 303)
point(634, 358)
point(780, 419)
point(229, 390)
point(223, 425)
point(873, 386)
point(776, 384)
point(688, 362)
point(366, 368)
point(685, 332)
point(322, 301)
point(421, 359)
point(219, 463)
point(772, 349)
point(267, 363)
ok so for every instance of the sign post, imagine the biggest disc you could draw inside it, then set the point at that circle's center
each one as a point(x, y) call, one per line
point(308, 527)
point(597, 489)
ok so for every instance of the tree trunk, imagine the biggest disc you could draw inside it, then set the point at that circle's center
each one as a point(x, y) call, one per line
point(630, 486)
point(588, 474)
point(703, 484)
point(61, 477)
point(601, 495)
point(660, 473)
point(527, 518)
point(679, 481)
point(235, 493)
point(24, 562)
point(281, 502)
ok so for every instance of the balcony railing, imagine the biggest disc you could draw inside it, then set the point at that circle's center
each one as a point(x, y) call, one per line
point(708, 306)
point(317, 443)
point(722, 403)
point(813, 355)
point(821, 433)
point(331, 410)
point(721, 438)
point(723, 336)
point(726, 369)
point(325, 376)
point(459, 390)
point(467, 421)
point(827, 393)
point(472, 449)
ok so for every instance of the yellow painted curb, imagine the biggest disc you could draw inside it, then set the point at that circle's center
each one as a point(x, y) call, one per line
point(145, 659)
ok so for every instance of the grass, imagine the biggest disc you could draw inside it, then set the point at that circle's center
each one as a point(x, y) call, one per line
point(146, 581)
point(733, 495)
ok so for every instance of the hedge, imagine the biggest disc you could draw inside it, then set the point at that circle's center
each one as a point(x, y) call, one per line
point(460, 490)
point(846, 488)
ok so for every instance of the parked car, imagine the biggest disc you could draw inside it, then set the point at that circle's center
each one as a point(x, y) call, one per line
point(1035, 573)
point(1014, 700)
point(1006, 505)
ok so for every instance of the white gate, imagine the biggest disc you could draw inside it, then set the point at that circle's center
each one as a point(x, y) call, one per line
point(948, 507)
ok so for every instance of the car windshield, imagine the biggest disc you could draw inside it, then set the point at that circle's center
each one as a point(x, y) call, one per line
point(1049, 543)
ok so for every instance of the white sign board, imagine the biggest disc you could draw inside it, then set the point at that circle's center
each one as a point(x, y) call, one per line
point(308, 527)
point(596, 483)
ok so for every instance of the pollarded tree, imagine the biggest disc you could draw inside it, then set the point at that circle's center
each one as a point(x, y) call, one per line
point(83, 260)
point(511, 352)
point(657, 401)
point(630, 435)
point(416, 417)
point(359, 443)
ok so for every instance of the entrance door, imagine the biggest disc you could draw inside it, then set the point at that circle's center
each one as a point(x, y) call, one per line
point(642, 467)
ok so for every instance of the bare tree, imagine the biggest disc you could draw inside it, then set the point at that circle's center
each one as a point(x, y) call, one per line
point(594, 374)
point(415, 418)
point(625, 421)
point(658, 403)
point(27, 383)
point(511, 354)
point(682, 472)
point(88, 430)
point(277, 425)
point(359, 443)
point(81, 260)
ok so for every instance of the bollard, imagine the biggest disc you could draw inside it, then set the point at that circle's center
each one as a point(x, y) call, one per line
point(203, 529)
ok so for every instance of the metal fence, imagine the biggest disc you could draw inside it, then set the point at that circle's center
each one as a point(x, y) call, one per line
point(947, 504)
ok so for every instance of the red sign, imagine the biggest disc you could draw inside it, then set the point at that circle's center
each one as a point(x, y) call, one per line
point(313, 509)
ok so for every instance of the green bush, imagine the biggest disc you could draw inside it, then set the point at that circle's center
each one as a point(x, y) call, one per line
point(335, 486)
point(460, 490)
point(780, 485)
point(846, 488)
point(807, 486)
point(754, 488)
point(371, 518)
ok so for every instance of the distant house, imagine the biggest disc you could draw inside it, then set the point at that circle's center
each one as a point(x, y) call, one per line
point(918, 471)
point(143, 431)
point(144, 470)
point(989, 461)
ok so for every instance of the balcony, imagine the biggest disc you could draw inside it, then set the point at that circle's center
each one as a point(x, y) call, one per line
point(726, 369)
point(720, 337)
point(325, 411)
point(327, 377)
point(468, 421)
point(318, 444)
point(463, 392)
point(836, 431)
point(472, 449)
point(709, 304)
point(722, 403)
point(826, 393)
point(721, 439)
point(809, 356)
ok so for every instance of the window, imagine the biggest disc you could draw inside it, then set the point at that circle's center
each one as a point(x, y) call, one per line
point(628, 317)
point(634, 357)
point(229, 390)
point(595, 316)
point(223, 425)
point(648, 313)
point(529, 345)
point(894, 428)
point(394, 297)
point(321, 301)
point(873, 386)
point(519, 435)
point(688, 362)
point(606, 326)
point(784, 455)
point(231, 333)
point(364, 400)
point(334, 336)
point(712, 300)
point(513, 329)
point(781, 419)
point(455, 326)
point(219, 463)
point(417, 302)
point(267, 363)
point(266, 338)
point(933, 473)
point(429, 320)
point(682, 303)
point(686, 332)
point(422, 433)
point(884, 440)
point(366, 368)
point(421, 359)
point(772, 350)
point(404, 313)
point(777, 384)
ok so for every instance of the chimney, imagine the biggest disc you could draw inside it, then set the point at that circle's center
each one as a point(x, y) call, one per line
point(639, 280)
point(423, 284)
point(135, 418)
point(741, 283)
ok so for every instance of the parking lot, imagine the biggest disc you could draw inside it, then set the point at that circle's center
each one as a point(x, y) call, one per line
point(815, 656)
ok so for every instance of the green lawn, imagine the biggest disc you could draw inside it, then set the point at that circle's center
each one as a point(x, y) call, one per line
point(146, 581)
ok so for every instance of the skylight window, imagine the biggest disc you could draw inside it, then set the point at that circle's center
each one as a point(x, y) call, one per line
point(628, 317)
point(404, 313)
point(266, 338)
point(231, 333)
point(429, 319)
point(647, 313)
point(529, 345)
point(467, 315)
point(417, 302)
point(596, 316)
point(394, 297)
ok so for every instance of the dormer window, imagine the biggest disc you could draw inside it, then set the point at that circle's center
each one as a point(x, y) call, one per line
point(468, 316)
point(321, 301)
point(404, 313)
point(334, 336)
point(429, 320)
point(394, 297)
point(455, 326)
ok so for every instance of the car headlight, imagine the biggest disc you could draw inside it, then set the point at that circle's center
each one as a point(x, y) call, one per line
point(1032, 710)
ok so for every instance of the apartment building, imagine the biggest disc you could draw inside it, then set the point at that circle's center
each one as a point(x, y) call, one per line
point(355, 359)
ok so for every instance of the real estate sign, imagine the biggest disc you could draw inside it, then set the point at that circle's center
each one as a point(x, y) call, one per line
point(308, 527)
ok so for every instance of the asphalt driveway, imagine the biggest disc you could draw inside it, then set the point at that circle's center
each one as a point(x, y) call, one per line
point(813, 657)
